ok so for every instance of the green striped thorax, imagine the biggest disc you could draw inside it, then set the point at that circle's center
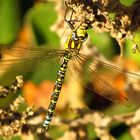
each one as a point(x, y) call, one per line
point(76, 38)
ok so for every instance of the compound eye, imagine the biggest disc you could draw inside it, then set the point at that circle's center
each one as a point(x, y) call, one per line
point(74, 36)
point(84, 38)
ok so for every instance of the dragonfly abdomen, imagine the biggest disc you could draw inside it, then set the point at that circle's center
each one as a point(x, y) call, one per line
point(56, 90)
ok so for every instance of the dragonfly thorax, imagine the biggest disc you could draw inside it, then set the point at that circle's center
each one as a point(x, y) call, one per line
point(73, 52)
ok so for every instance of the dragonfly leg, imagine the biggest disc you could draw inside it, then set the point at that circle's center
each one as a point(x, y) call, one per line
point(69, 21)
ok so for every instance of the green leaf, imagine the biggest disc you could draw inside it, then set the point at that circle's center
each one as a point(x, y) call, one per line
point(125, 136)
point(127, 2)
point(42, 17)
point(9, 21)
point(104, 43)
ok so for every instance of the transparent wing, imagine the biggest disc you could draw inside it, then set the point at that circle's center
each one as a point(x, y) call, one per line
point(27, 58)
point(108, 80)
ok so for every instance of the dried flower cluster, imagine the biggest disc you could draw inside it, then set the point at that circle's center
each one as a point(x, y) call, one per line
point(28, 122)
point(6, 90)
point(11, 119)
point(75, 128)
point(96, 14)
point(101, 123)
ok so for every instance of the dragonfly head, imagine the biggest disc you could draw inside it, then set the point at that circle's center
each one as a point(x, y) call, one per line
point(79, 35)
point(76, 38)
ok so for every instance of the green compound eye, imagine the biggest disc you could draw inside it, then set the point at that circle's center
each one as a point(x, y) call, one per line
point(84, 38)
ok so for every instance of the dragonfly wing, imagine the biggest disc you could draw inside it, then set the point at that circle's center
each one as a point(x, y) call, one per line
point(115, 69)
point(102, 75)
point(29, 58)
point(30, 50)
point(103, 87)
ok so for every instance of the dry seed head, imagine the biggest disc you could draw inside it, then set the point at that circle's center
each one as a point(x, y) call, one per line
point(92, 12)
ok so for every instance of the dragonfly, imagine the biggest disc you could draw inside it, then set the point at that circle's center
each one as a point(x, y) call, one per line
point(72, 53)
